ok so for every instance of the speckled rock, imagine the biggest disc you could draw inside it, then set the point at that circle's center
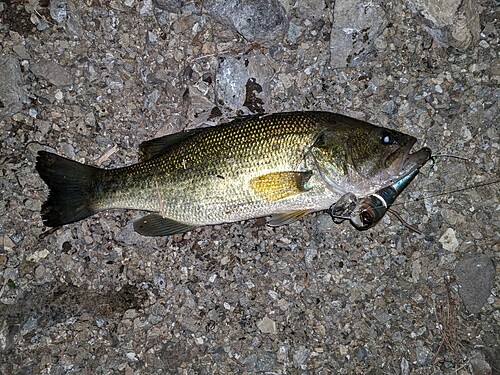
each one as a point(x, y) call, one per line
point(52, 72)
point(58, 10)
point(243, 82)
point(173, 6)
point(356, 24)
point(259, 21)
point(476, 278)
point(450, 22)
point(12, 93)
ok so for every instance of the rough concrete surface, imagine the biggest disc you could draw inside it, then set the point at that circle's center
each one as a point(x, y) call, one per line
point(96, 78)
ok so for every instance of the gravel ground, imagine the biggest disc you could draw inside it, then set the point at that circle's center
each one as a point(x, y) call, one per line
point(92, 80)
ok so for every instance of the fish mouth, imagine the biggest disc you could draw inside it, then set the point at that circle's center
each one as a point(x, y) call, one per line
point(416, 159)
point(408, 161)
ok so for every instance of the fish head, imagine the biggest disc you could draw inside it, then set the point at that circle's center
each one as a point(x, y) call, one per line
point(362, 158)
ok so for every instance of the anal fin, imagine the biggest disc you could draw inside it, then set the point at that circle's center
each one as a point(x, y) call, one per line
point(287, 217)
point(157, 225)
point(279, 185)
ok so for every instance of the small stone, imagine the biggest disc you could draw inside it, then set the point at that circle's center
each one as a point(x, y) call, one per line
point(265, 362)
point(31, 324)
point(476, 278)
point(389, 107)
point(12, 93)
point(173, 6)
point(301, 355)
point(480, 367)
point(449, 240)
point(7, 243)
point(52, 72)
point(361, 354)
point(199, 340)
point(309, 255)
point(36, 256)
point(39, 271)
point(132, 356)
point(424, 355)
point(32, 112)
point(324, 222)
point(405, 367)
point(267, 325)
point(244, 82)
point(484, 44)
point(449, 23)
point(146, 8)
point(152, 37)
point(58, 10)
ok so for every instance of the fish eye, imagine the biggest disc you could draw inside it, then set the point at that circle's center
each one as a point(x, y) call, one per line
point(387, 138)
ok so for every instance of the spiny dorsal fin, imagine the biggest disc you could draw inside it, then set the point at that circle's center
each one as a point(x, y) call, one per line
point(287, 217)
point(158, 146)
point(157, 225)
point(279, 185)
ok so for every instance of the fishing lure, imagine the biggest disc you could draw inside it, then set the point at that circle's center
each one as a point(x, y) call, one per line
point(364, 213)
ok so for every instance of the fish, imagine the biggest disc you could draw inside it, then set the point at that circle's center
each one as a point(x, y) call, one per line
point(283, 165)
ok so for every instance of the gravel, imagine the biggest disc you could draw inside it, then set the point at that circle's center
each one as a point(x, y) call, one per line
point(87, 79)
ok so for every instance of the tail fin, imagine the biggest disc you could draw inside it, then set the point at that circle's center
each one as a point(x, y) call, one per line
point(72, 187)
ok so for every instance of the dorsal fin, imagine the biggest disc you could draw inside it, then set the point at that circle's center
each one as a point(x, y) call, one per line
point(158, 146)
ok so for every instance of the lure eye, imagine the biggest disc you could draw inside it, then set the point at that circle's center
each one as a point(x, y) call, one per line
point(364, 217)
point(368, 212)
point(367, 218)
point(387, 138)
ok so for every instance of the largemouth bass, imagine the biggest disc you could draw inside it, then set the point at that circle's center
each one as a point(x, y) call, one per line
point(282, 165)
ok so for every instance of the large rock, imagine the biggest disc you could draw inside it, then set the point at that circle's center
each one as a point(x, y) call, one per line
point(452, 23)
point(244, 82)
point(356, 24)
point(259, 21)
point(476, 278)
point(12, 93)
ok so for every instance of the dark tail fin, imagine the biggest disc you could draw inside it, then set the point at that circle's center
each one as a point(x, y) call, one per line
point(72, 187)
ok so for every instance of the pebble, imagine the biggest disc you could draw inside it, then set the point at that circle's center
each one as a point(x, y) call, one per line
point(301, 355)
point(449, 240)
point(58, 10)
point(267, 325)
point(476, 278)
point(12, 93)
point(39, 272)
point(52, 72)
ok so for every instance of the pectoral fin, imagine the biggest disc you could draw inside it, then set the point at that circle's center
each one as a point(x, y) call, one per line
point(279, 185)
point(157, 225)
point(287, 217)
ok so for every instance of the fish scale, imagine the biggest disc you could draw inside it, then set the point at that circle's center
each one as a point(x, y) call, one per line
point(238, 153)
